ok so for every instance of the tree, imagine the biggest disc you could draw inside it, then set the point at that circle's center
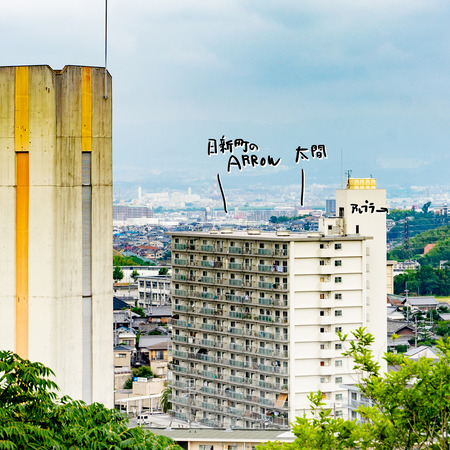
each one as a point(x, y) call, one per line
point(32, 416)
point(425, 207)
point(410, 406)
point(273, 219)
point(117, 274)
point(166, 404)
point(135, 275)
point(163, 271)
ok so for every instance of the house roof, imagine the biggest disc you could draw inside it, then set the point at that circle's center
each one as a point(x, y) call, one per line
point(423, 301)
point(421, 351)
point(393, 326)
point(444, 316)
point(221, 435)
point(154, 341)
point(119, 304)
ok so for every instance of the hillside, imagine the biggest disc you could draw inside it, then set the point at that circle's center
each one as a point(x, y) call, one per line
point(439, 236)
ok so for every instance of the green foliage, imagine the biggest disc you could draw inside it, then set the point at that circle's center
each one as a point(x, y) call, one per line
point(154, 333)
point(138, 310)
point(425, 207)
point(144, 372)
point(443, 328)
point(424, 281)
point(32, 417)
point(129, 383)
point(166, 404)
point(417, 243)
point(117, 274)
point(120, 260)
point(410, 406)
point(134, 275)
point(163, 271)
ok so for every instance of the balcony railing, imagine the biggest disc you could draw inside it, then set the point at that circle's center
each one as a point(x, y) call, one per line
point(180, 262)
point(179, 246)
point(237, 250)
point(235, 266)
point(207, 280)
point(235, 282)
point(207, 248)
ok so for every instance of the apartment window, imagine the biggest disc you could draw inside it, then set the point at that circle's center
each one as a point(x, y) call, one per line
point(322, 330)
point(338, 313)
point(323, 380)
point(206, 447)
point(338, 363)
point(339, 413)
point(354, 396)
point(322, 313)
point(322, 296)
point(338, 380)
point(322, 262)
point(338, 329)
point(330, 227)
point(338, 346)
point(338, 279)
point(322, 246)
point(338, 397)
point(354, 415)
point(322, 363)
point(338, 296)
point(338, 246)
point(338, 262)
point(322, 346)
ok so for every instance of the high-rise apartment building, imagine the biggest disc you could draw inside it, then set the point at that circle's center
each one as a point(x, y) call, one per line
point(257, 315)
point(56, 227)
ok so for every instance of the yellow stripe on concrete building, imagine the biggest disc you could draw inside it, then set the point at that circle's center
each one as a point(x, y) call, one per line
point(86, 109)
point(21, 144)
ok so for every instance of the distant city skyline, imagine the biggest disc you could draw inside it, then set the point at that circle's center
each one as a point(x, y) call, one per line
point(370, 79)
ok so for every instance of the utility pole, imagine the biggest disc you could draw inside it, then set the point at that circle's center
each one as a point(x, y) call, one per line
point(407, 306)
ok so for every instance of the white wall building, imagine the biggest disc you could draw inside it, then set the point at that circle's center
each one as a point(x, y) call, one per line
point(256, 316)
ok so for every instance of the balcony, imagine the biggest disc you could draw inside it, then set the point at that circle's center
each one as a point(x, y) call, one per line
point(233, 394)
point(178, 276)
point(264, 268)
point(208, 295)
point(180, 308)
point(180, 323)
point(179, 246)
point(207, 248)
point(181, 292)
point(180, 338)
point(210, 311)
point(265, 351)
point(237, 250)
point(235, 266)
point(235, 282)
point(236, 363)
point(265, 251)
point(209, 280)
point(208, 326)
point(207, 263)
point(265, 285)
point(236, 315)
point(236, 347)
point(180, 262)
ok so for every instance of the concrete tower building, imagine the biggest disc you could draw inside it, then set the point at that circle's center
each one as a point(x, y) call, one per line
point(56, 224)
point(257, 315)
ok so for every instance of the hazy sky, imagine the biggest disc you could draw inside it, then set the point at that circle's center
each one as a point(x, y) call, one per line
point(369, 77)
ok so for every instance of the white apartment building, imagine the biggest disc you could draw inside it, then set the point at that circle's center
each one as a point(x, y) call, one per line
point(154, 290)
point(256, 317)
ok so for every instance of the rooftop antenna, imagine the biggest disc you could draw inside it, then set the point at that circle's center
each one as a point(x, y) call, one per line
point(106, 48)
point(349, 174)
